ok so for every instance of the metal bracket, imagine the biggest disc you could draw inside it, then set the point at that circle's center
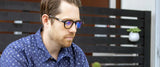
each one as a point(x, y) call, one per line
point(17, 33)
point(18, 22)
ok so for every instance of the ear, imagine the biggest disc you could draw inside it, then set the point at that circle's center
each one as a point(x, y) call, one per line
point(45, 20)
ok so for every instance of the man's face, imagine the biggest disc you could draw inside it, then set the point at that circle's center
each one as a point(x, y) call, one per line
point(57, 32)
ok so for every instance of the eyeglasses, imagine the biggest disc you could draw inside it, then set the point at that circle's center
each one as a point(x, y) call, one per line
point(68, 23)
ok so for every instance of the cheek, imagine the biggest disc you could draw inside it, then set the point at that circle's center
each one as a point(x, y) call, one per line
point(58, 31)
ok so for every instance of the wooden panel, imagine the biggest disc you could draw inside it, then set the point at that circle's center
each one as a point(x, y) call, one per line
point(34, 17)
point(25, 27)
point(92, 59)
point(147, 41)
point(104, 40)
point(96, 3)
point(96, 30)
point(16, 5)
point(112, 21)
point(5, 39)
point(115, 12)
point(118, 4)
point(111, 49)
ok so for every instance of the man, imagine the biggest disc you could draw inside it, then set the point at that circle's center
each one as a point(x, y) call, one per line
point(52, 45)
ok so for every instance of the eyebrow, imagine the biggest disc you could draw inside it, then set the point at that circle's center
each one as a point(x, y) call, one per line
point(69, 19)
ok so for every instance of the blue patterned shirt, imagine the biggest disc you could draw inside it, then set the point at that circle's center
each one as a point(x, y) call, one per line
point(30, 51)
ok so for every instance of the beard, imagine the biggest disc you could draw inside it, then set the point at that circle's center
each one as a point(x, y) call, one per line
point(61, 39)
point(67, 41)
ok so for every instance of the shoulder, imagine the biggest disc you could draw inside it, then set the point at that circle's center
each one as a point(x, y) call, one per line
point(19, 46)
point(15, 52)
point(21, 43)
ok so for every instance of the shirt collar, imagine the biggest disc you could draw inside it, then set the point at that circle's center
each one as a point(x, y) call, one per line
point(64, 52)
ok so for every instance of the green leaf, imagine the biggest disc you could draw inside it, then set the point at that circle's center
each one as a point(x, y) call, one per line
point(96, 64)
point(134, 30)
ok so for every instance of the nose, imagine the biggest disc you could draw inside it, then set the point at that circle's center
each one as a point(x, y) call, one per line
point(73, 29)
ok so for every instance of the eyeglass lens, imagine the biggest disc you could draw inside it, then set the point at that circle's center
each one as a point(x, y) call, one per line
point(68, 24)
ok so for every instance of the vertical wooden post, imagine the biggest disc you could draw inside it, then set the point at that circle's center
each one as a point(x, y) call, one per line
point(147, 38)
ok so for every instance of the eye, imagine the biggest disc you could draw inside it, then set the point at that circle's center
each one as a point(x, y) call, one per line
point(68, 23)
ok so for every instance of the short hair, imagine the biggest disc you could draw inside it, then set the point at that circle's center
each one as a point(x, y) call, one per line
point(50, 7)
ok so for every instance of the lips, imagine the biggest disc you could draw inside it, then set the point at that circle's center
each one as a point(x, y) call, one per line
point(69, 38)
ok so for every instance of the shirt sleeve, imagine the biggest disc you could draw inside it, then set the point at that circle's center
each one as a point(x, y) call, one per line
point(12, 58)
point(81, 60)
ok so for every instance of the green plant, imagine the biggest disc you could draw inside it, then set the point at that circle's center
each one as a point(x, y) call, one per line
point(134, 30)
point(96, 64)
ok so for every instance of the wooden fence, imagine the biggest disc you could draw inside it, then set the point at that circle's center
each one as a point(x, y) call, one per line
point(105, 33)
point(103, 37)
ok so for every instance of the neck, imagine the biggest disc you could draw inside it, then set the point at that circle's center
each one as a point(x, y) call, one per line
point(52, 47)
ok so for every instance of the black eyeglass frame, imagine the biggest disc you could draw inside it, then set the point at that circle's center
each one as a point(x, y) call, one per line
point(64, 21)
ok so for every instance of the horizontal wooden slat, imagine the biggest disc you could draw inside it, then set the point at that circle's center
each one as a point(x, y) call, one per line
point(12, 21)
point(104, 40)
point(16, 5)
point(25, 27)
point(92, 59)
point(111, 21)
point(115, 12)
point(111, 49)
point(96, 3)
point(5, 39)
point(24, 16)
point(125, 66)
point(98, 30)
point(27, 0)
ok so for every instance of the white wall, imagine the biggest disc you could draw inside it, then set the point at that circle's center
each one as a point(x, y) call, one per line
point(148, 5)
point(157, 41)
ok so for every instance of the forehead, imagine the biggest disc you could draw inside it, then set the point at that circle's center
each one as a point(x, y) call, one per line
point(68, 10)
